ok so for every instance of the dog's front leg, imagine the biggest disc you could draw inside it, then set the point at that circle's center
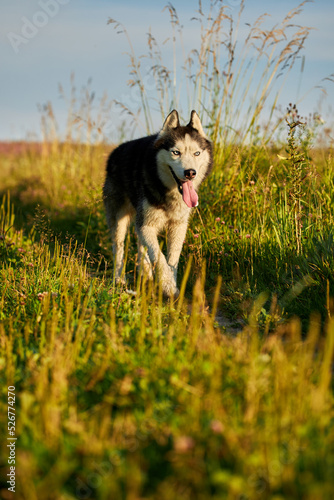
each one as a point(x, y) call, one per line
point(148, 237)
point(175, 238)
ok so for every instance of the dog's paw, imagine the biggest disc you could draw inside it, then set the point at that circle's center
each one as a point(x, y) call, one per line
point(170, 290)
point(121, 282)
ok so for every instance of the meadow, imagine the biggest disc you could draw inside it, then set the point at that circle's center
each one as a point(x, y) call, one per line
point(226, 393)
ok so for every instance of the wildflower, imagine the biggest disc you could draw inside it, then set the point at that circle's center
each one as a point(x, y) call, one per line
point(182, 444)
point(252, 183)
point(236, 231)
point(217, 219)
point(230, 227)
point(223, 222)
point(247, 236)
point(126, 385)
point(216, 426)
point(196, 235)
point(41, 295)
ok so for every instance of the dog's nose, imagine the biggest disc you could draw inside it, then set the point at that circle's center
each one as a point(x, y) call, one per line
point(190, 173)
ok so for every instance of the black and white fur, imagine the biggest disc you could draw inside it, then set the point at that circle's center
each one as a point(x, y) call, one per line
point(144, 180)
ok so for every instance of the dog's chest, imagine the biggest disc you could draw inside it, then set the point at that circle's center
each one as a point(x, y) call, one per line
point(175, 211)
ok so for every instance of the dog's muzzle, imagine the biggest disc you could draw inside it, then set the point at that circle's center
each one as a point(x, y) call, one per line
point(189, 174)
point(186, 188)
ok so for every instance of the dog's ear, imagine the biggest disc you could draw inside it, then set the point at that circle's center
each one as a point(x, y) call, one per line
point(172, 121)
point(195, 123)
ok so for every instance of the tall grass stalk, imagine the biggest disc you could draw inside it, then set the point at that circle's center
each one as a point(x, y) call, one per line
point(221, 73)
point(102, 377)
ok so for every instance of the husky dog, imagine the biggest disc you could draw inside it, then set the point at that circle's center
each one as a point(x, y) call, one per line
point(155, 179)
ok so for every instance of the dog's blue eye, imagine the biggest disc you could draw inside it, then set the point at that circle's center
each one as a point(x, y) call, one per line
point(176, 153)
point(197, 153)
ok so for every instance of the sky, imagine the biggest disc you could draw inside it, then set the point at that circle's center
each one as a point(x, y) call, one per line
point(44, 42)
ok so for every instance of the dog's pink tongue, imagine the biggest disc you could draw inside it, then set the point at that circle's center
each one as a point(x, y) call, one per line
point(189, 194)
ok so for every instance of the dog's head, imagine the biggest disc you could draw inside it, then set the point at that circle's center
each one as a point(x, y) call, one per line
point(184, 156)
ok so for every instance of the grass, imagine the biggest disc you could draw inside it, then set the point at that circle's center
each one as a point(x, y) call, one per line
point(122, 396)
point(226, 393)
